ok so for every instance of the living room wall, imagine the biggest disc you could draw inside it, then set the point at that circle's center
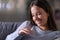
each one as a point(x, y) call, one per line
point(16, 10)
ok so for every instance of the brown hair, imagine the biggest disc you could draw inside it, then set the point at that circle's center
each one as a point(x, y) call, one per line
point(46, 6)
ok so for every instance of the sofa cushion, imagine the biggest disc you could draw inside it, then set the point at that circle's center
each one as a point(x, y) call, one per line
point(7, 28)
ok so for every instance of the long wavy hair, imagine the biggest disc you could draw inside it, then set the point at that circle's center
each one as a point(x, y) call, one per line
point(47, 7)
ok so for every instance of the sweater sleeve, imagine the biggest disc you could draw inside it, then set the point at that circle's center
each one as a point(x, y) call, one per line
point(57, 37)
point(15, 34)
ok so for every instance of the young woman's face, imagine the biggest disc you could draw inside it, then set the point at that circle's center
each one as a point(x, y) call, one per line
point(39, 15)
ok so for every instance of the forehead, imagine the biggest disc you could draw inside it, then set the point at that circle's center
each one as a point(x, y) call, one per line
point(35, 8)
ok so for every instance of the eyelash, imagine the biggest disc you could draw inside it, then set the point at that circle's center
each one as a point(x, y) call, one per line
point(38, 13)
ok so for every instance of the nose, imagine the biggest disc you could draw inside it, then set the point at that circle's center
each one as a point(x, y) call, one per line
point(36, 17)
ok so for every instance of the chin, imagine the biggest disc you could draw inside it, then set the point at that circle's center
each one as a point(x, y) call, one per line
point(40, 24)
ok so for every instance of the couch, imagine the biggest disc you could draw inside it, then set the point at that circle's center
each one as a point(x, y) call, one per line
point(7, 28)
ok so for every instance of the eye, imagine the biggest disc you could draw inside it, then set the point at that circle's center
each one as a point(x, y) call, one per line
point(38, 13)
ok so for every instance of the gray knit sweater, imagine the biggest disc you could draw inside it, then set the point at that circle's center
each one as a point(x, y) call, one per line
point(39, 34)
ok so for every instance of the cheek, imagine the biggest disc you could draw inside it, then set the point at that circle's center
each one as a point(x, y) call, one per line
point(45, 17)
point(33, 18)
point(45, 20)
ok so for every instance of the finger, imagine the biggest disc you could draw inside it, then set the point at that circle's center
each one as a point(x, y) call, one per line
point(22, 32)
point(25, 30)
point(28, 30)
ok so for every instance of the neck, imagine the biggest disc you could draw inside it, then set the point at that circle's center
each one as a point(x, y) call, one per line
point(45, 28)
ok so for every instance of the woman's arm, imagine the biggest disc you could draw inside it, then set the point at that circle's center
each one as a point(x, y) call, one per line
point(15, 34)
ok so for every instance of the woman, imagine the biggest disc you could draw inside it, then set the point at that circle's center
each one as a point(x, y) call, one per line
point(40, 27)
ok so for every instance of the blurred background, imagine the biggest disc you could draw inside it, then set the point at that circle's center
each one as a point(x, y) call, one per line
point(16, 10)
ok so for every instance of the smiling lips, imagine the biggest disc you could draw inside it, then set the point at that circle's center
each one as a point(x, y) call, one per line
point(39, 21)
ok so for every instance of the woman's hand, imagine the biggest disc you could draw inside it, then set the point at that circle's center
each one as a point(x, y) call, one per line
point(26, 30)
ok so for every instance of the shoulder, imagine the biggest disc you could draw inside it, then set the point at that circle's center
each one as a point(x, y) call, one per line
point(54, 33)
point(57, 34)
point(25, 23)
